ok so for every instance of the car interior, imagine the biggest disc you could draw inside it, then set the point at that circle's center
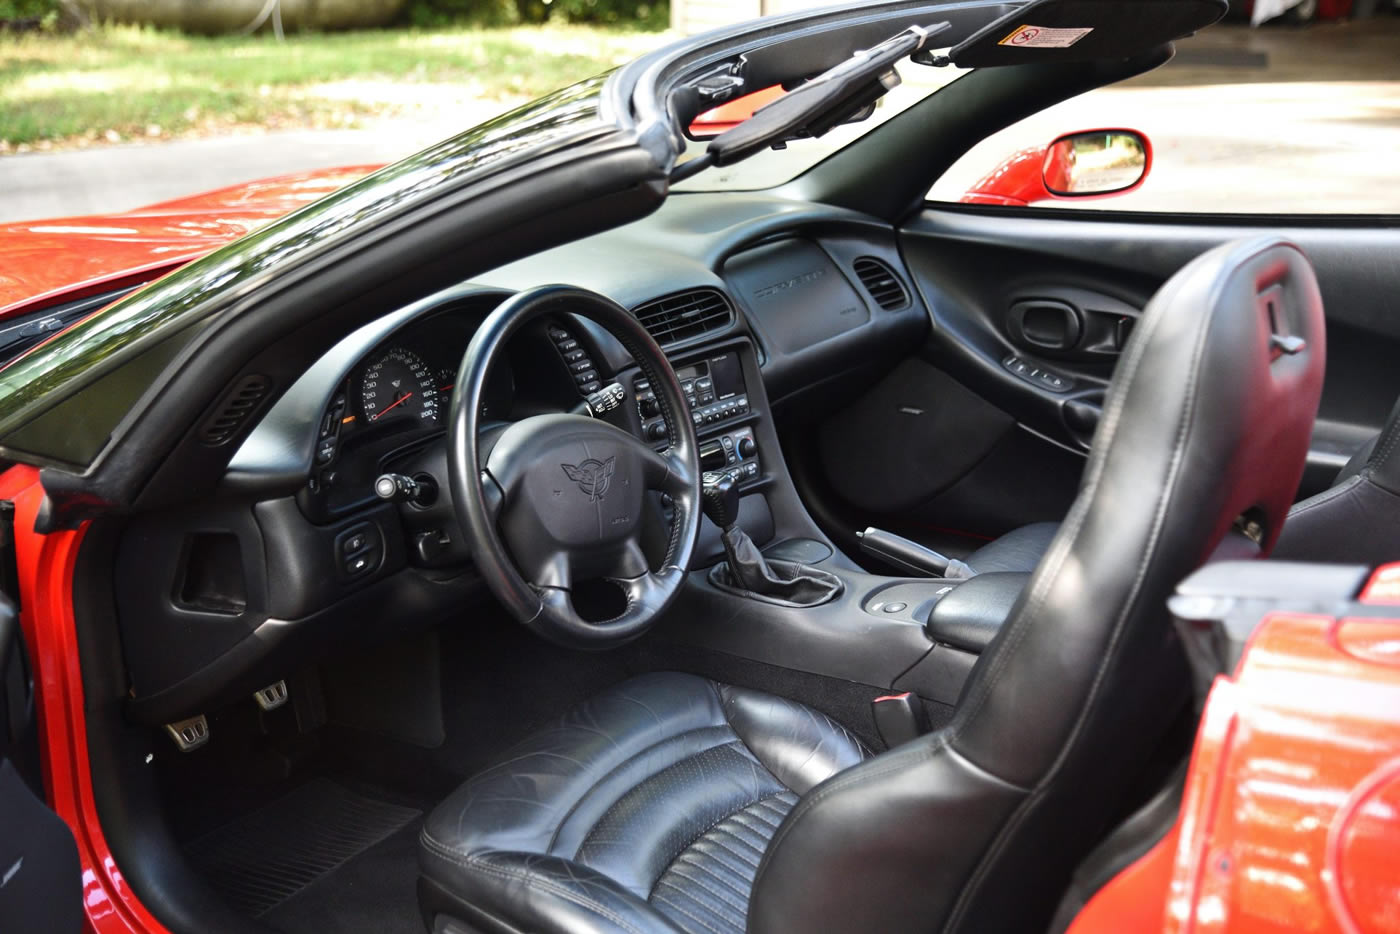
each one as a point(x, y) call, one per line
point(840, 525)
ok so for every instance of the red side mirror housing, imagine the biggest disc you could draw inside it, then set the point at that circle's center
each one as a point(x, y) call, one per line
point(1101, 163)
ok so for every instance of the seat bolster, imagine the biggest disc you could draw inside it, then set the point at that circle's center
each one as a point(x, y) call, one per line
point(1351, 522)
point(504, 891)
point(884, 846)
point(1019, 550)
point(800, 746)
point(1383, 460)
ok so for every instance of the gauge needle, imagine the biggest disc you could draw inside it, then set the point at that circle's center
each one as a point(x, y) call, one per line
point(404, 399)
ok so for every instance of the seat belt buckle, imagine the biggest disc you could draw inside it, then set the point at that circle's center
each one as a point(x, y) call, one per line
point(899, 718)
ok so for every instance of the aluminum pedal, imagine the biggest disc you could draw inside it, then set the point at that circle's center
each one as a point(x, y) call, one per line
point(272, 696)
point(189, 734)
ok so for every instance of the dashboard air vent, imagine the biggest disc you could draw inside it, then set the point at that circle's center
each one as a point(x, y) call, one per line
point(685, 315)
point(234, 410)
point(882, 284)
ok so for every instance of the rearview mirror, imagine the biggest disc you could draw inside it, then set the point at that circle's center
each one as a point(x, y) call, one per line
point(1095, 162)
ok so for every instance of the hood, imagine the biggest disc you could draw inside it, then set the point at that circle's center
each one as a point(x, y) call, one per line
point(48, 262)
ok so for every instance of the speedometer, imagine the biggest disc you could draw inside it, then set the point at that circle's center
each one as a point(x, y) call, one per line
point(399, 384)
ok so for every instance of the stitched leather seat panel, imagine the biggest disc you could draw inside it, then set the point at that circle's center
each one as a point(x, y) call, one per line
point(637, 793)
point(706, 889)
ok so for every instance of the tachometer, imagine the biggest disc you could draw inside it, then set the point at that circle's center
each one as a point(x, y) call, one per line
point(399, 384)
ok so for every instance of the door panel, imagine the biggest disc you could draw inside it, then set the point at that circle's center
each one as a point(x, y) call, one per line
point(975, 267)
point(40, 876)
point(1031, 310)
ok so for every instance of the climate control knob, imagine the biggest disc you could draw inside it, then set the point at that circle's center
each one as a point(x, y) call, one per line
point(747, 448)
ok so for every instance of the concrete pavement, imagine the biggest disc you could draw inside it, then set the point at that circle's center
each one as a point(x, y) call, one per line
point(107, 179)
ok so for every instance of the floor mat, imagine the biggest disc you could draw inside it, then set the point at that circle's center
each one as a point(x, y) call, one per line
point(374, 893)
point(265, 858)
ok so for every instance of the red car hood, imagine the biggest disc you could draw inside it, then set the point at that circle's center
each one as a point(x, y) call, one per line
point(52, 261)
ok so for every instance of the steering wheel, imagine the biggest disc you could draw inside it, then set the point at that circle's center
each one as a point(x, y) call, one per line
point(559, 498)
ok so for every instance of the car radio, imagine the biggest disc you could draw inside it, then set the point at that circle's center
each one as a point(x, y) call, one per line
point(714, 393)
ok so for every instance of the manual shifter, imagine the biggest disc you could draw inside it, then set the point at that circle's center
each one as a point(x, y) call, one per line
point(746, 570)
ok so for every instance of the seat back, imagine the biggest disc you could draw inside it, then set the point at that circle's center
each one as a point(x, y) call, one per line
point(1357, 520)
point(978, 827)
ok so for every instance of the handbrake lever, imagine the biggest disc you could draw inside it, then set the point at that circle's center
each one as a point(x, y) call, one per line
point(911, 556)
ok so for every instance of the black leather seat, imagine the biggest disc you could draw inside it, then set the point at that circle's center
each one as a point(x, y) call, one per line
point(672, 804)
point(1019, 550)
point(646, 809)
point(1355, 520)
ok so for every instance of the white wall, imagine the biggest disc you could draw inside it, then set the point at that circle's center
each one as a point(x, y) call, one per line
point(692, 16)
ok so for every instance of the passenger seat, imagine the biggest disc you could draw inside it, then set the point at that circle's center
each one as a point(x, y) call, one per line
point(1356, 520)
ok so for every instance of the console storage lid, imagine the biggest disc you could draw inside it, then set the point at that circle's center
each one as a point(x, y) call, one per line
point(971, 614)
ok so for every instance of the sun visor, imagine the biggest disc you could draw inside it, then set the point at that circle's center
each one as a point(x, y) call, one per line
point(1083, 30)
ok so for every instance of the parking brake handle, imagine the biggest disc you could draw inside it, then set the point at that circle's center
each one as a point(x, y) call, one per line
point(911, 556)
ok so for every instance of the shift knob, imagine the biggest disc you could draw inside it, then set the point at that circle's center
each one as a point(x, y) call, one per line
point(719, 497)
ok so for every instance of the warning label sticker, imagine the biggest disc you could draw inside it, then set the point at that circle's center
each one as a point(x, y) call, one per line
point(1046, 37)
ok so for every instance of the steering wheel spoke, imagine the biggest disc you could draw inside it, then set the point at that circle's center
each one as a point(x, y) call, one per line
point(667, 471)
point(492, 495)
point(647, 593)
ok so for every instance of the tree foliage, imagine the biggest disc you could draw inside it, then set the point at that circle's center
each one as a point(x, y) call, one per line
point(643, 14)
point(32, 13)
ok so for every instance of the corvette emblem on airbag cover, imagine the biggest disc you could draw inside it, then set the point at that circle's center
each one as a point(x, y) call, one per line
point(592, 476)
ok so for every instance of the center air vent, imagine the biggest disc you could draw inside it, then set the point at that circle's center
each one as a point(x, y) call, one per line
point(882, 284)
point(685, 316)
point(233, 410)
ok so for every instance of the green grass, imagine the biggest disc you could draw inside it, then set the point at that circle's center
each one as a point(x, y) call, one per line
point(142, 82)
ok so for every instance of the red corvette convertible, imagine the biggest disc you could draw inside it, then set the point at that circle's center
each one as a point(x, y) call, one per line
point(651, 511)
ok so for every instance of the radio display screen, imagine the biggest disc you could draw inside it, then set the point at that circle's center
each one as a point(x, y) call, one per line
point(727, 375)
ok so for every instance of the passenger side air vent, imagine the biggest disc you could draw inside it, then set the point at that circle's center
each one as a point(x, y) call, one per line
point(685, 315)
point(234, 410)
point(882, 284)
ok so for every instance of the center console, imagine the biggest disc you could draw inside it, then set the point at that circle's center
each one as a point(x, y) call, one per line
point(817, 611)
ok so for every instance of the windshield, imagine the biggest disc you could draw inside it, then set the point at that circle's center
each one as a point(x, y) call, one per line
point(43, 392)
point(774, 167)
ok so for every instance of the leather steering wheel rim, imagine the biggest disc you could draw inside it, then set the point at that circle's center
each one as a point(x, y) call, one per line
point(484, 502)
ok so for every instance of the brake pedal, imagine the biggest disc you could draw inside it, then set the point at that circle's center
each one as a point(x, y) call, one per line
point(189, 734)
point(272, 696)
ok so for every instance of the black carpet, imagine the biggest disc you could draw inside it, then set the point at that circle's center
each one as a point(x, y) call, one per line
point(373, 893)
point(322, 836)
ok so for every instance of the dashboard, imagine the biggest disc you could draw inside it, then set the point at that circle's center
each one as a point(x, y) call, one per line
point(762, 306)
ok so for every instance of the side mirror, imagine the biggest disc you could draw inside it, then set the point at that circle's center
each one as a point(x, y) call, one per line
point(1096, 162)
point(1087, 164)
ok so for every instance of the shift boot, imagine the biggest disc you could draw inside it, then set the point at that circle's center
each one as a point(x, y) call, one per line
point(745, 568)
